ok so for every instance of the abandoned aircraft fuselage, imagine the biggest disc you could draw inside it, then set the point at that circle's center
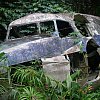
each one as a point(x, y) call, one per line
point(41, 35)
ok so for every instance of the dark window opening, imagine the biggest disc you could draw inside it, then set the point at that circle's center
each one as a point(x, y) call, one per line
point(80, 22)
point(93, 56)
point(2, 34)
point(47, 28)
point(21, 31)
point(64, 28)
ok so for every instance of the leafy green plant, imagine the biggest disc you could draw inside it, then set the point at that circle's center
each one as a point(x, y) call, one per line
point(29, 93)
point(2, 89)
point(2, 56)
point(28, 83)
point(13, 93)
point(24, 75)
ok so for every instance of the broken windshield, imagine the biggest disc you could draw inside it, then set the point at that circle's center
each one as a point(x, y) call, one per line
point(64, 28)
point(21, 31)
point(47, 28)
point(41, 28)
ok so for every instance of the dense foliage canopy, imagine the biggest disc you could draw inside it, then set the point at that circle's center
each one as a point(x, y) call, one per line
point(13, 9)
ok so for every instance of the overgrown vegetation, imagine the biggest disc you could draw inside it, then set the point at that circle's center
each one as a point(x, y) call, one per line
point(10, 11)
point(30, 83)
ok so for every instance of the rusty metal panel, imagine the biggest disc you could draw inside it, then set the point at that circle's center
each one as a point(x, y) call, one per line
point(97, 39)
point(42, 48)
point(67, 42)
point(56, 67)
point(36, 17)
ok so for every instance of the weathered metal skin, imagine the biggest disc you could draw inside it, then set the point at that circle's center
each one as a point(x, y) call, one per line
point(41, 48)
point(35, 47)
point(97, 39)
